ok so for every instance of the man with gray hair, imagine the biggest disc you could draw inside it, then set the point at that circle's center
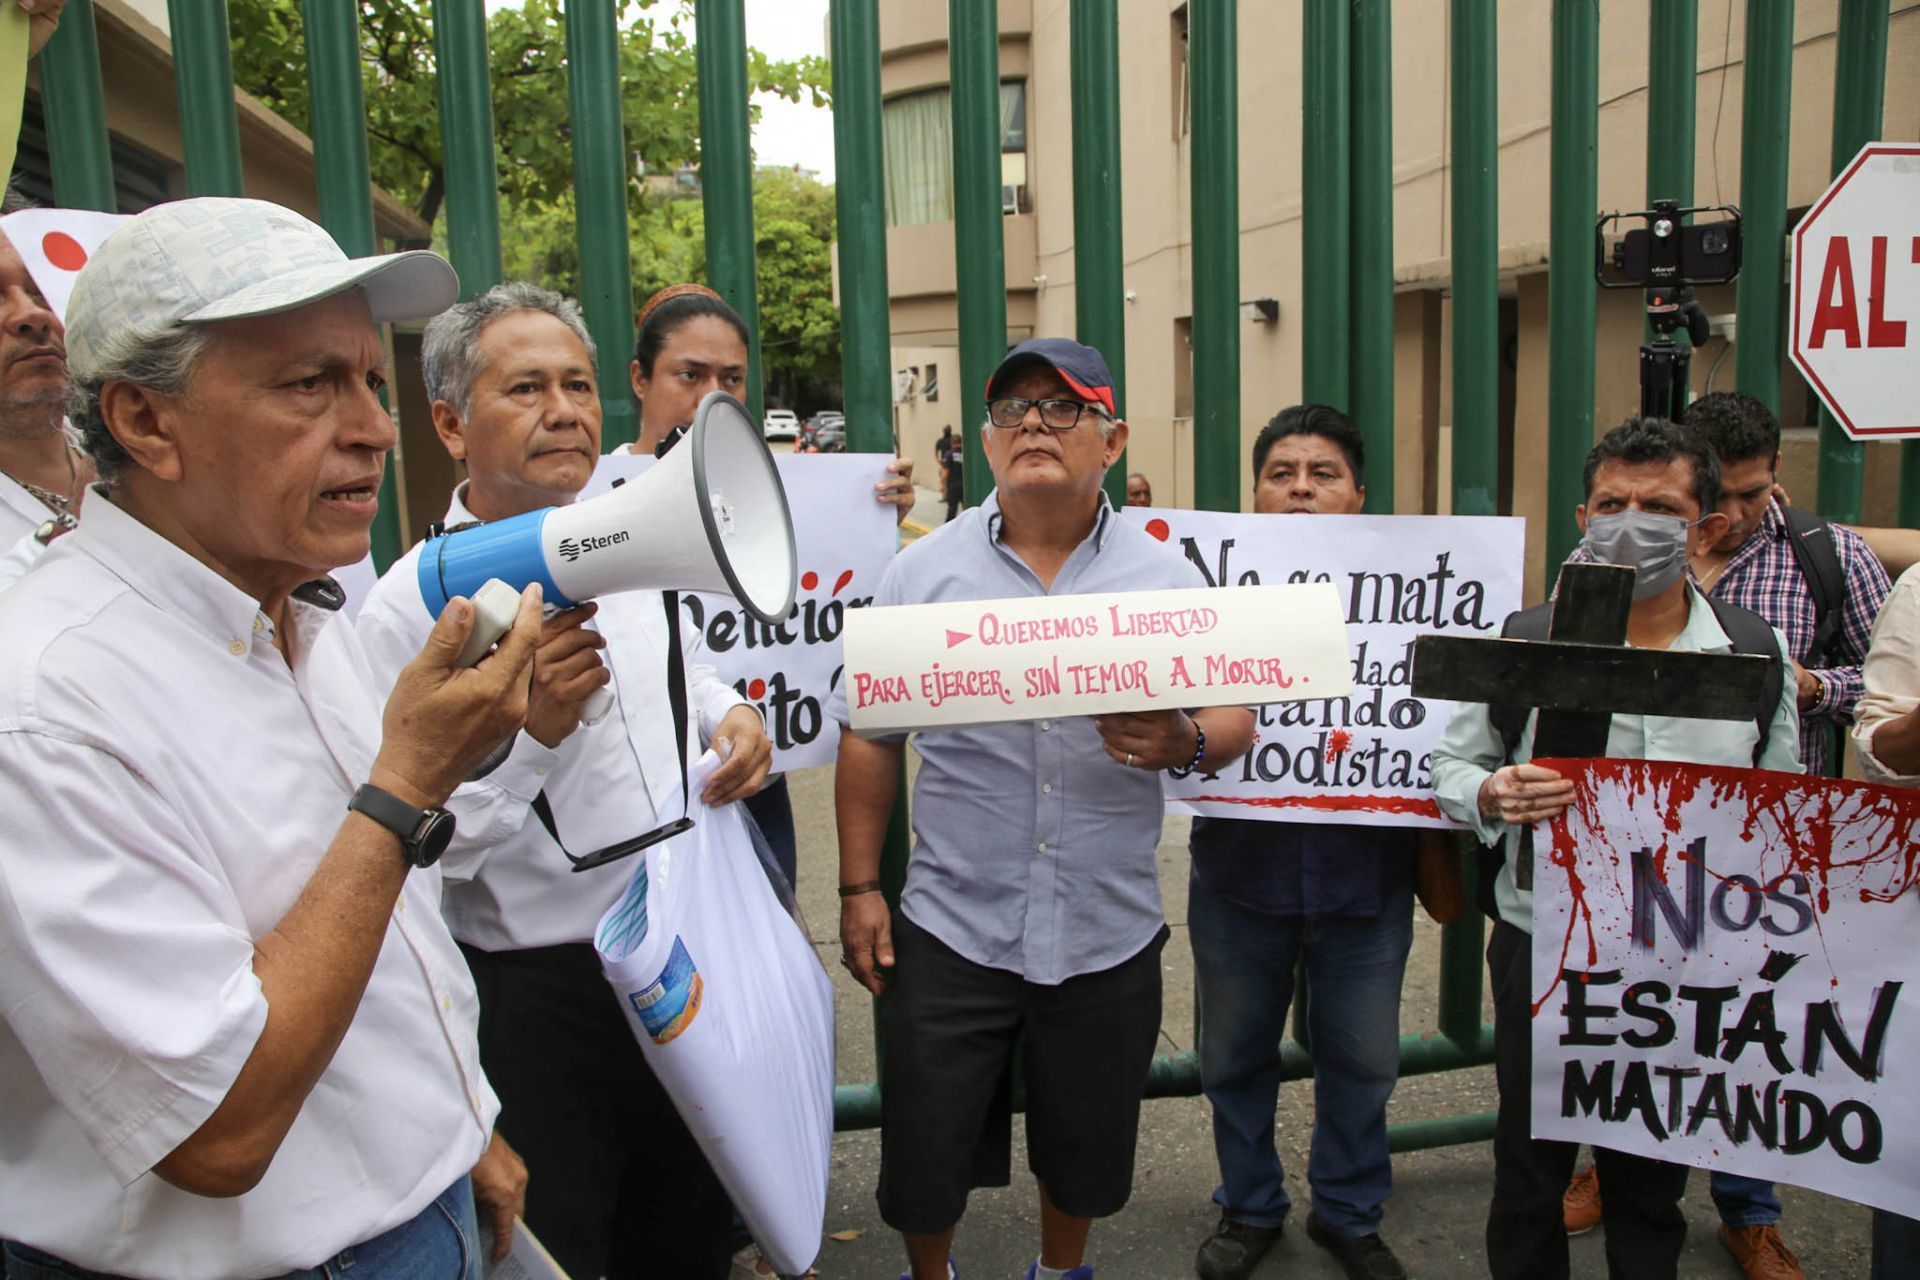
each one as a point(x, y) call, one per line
point(238, 1039)
point(618, 1186)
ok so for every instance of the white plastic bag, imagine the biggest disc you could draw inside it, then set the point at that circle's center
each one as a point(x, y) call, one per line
point(735, 1016)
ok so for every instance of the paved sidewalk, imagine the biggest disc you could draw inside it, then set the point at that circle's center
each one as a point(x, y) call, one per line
point(1434, 1220)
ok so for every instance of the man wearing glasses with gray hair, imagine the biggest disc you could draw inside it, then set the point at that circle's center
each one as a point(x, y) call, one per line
point(1032, 906)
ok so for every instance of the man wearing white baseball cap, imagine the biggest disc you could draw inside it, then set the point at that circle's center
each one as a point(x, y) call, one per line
point(235, 1037)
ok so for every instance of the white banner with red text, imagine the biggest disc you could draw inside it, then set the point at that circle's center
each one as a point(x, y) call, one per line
point(844, 539)
point(1720, 964)
point(1364, 758)
point(969, 662)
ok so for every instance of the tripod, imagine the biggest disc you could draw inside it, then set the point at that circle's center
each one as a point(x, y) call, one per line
point(1664, 363)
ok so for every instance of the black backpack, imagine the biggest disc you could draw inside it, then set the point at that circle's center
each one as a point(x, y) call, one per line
point(1749, 632)
point(1812, 541)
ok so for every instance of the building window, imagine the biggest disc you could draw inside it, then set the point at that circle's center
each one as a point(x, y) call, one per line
point(1182, 112)
point(931, 387)
point(918, 128)
point(1183, 366)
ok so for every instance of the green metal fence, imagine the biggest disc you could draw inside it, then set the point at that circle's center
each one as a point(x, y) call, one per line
point(1347, 232)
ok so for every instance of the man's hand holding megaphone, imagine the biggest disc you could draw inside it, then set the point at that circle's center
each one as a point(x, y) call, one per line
point(567, 672)
point(442, 718)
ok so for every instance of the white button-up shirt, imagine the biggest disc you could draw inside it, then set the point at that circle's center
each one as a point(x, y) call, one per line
point(1891, 676)
point(170, 785)
point(509, 887)
point(20, 512)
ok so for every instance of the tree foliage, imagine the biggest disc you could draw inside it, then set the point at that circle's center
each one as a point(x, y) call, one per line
point(660, 108)
point(526, 55)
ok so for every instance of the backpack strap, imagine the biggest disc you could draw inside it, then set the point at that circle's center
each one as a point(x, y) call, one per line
point(1811, 539)
point(1751, 633)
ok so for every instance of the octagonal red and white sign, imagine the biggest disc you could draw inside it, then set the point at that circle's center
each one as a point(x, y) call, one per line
point(1855, 300)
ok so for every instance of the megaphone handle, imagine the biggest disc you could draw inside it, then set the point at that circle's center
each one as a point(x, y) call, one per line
point(598, 703)
point(495, 605)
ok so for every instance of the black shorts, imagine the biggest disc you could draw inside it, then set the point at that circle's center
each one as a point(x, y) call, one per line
point(946, 1078)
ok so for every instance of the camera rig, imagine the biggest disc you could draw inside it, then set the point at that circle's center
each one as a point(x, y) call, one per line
point(1666, 257)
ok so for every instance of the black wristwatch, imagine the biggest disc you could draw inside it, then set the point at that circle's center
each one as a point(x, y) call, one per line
point(423, 833)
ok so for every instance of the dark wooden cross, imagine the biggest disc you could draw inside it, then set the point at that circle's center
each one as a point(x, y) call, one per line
point(1583, 674)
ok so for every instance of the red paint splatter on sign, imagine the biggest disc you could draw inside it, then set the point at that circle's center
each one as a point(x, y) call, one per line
point(63, 251)
point(809, 580)
point(757, 690)
point(1413, 806)
point(1159, 529)
point(1337, 741)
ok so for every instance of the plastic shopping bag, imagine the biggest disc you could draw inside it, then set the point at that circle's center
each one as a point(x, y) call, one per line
point(735, 1016)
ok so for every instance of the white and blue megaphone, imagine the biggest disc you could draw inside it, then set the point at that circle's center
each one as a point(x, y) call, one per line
point(710, 516)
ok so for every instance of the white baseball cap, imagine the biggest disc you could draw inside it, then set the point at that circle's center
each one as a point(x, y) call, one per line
point(217, 258)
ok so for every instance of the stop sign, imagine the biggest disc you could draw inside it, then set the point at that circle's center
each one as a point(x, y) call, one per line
point(1856, 294)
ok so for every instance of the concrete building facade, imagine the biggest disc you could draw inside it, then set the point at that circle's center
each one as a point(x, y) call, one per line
point(1156, 219)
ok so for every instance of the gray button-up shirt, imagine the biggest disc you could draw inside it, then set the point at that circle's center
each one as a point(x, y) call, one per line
point(1033, 850)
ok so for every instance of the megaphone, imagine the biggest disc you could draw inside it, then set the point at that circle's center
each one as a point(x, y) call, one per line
point(710, 516)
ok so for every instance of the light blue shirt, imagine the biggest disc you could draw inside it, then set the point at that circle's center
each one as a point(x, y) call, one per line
point(1471, 749)
point(1033, 850)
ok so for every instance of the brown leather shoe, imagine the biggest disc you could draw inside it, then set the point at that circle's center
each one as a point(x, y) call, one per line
point(1581, 1203)
point(1761, 1253)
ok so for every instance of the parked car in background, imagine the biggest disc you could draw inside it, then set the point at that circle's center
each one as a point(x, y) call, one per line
point(830, 436)
point(824, 432)
point(781, 424)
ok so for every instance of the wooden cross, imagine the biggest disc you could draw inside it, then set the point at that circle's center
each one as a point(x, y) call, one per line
point(1583, 674)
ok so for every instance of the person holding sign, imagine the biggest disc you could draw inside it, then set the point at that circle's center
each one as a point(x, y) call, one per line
point(1263, 897)
point(239, 1040)
point(1652, 492)
point(1032, 906)
point(618, 1186)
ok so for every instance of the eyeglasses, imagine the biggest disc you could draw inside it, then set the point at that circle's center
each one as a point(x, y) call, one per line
point(1055, 415)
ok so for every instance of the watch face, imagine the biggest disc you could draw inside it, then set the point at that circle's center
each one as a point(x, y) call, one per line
point(433, 837)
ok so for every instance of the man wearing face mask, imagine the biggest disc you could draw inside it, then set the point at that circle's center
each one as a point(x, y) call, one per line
point(1652, 492)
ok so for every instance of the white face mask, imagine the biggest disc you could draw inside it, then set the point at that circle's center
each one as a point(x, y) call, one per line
point(1654, 545)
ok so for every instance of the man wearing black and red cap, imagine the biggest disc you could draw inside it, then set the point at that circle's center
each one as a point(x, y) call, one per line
point(1032, 906)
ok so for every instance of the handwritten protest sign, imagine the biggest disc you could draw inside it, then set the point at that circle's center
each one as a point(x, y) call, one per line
point(970, 662)
point(1720, 963)
point(1364, 758)
point(845, 540)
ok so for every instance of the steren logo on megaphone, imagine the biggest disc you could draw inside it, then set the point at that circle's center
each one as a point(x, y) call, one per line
point(574, 548)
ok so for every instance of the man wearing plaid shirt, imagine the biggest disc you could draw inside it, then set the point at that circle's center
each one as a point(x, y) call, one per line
point(1754, 566)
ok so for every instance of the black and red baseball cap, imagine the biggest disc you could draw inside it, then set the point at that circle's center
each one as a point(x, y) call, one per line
point(1083, 369)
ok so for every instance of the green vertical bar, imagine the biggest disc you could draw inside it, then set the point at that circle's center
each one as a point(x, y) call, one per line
point(866, 362)
point(1673, 36)
point(466, 143)
point(76, 109)
point(338, 124)
point(1370, 397)
point(1673, 33)
point(1213, 35)
point(600, 171)
point(726, 173)
point(1476, 256)
point(1099, 290)
point(979, 245)
point(1461, 959)
point(1760, 298)
point(1325, 226)
point(1570, 286)
point(203, 81)
point(1859, 96)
